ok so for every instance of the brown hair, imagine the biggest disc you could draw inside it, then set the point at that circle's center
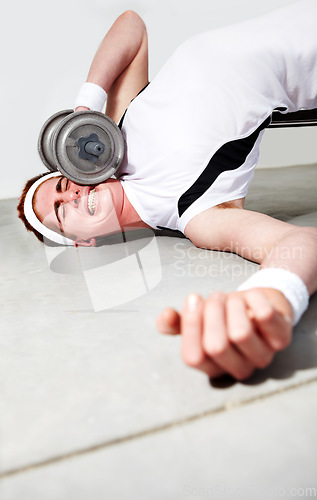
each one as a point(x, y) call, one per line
point(20, 206)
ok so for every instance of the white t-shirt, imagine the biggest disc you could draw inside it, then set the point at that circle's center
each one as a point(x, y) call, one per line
point(192, 136)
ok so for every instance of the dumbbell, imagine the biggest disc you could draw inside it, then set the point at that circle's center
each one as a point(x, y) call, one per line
point(87, 146)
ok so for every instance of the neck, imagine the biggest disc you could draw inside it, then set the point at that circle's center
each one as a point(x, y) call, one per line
point(127, 215)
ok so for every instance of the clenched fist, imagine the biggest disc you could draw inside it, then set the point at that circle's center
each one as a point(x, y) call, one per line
point(232, 333)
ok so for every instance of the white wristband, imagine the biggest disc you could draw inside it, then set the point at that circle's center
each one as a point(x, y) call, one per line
point(91, 96)
point(291, 285)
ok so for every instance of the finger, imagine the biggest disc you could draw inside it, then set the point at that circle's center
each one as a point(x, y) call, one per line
point(242, 334)
point(216, 342)
point(191, 329)
point(271, 324)
point(168, 322)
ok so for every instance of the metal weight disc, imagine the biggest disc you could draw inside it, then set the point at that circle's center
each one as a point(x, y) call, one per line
point(45, 142)
point(80, 127)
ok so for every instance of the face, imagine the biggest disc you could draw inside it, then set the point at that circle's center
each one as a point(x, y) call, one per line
point(81, 212)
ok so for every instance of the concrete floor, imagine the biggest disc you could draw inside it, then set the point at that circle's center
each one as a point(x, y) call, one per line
point(96, 404)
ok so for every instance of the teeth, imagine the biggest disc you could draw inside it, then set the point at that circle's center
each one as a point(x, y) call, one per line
point(92, 201)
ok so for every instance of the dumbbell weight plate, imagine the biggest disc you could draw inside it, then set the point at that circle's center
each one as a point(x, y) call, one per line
point(65, 147)
point(45, 142)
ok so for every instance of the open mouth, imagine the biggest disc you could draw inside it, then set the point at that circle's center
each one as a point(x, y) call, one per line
point(92, 202)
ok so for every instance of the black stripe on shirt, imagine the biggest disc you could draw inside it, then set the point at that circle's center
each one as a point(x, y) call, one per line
point(123, 116)
point(230, 156)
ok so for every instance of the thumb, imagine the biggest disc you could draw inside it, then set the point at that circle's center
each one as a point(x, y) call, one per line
point(168, 322)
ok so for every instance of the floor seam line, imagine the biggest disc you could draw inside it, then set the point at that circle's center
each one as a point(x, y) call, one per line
point(227, 406)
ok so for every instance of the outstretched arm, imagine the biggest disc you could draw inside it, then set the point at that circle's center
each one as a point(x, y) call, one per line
point(259, 238)
point(237, 332)
point(120, 65)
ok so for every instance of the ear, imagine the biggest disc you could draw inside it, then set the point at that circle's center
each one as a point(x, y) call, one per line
point(90, 242)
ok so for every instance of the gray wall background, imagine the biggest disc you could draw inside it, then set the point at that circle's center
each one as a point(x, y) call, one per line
point(47, 48)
